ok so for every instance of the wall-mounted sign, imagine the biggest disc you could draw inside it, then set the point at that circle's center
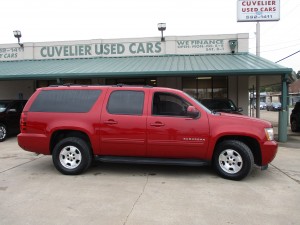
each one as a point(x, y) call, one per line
point(8, 54)
point(208, 46)
point(96, 50)
point(251, 11)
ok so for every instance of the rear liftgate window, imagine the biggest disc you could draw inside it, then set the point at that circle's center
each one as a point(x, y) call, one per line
point(68, 101)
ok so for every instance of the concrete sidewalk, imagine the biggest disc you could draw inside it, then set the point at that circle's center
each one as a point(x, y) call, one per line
point(33, 192)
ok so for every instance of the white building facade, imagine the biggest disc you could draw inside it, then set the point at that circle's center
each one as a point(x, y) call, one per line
point(207, 66)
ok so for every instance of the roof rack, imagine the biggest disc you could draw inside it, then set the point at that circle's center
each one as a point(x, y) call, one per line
point(129, 85)
point(83, 85)
point(66, 84)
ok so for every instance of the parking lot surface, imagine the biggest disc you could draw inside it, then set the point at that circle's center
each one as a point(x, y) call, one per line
point(33, 192)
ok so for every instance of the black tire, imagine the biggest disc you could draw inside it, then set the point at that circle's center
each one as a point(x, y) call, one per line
point(3, 132)
point(233, 160)
point(72, 156)
point(294, 125)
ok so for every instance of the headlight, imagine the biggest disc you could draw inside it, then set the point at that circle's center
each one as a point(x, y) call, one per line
point(269, 134)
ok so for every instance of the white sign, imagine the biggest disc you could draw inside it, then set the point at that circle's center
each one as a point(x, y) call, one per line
point(251, 11)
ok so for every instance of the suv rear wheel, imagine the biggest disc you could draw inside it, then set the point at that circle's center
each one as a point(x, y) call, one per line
point(3, 132)
point(233, 160)
point(72, 156)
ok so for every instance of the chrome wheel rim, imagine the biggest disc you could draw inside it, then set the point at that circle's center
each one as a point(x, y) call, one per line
point(230, 161)
point(70, 157)
point(2, 133)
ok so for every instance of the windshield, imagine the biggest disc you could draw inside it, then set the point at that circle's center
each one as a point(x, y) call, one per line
point(232, 105)
point(3, 106)
point(225, 105)
point(198, 103)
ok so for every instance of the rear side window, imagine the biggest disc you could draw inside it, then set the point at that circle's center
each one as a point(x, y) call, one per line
point(126, 102)
point(65, 101)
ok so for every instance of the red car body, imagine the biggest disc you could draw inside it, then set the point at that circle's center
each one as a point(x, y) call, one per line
point(145, 135)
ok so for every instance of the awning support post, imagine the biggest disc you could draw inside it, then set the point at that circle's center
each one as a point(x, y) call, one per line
point(283, 114)
point(258, 77)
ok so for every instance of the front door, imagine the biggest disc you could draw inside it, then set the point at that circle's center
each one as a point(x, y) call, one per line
point(171, 133)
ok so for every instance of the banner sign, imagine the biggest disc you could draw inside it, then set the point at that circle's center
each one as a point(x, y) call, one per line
point(254, 11)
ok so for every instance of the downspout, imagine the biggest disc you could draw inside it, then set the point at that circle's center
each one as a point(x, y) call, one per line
point(283, 114)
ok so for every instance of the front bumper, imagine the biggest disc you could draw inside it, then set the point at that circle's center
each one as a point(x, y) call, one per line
point(268, 152)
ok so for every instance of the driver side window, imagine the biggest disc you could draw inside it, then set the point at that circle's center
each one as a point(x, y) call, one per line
point(166, 104)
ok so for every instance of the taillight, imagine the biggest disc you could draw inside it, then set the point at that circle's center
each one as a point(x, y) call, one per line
point(23, 122)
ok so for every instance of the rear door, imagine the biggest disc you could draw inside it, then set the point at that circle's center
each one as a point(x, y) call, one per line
point(123, 122)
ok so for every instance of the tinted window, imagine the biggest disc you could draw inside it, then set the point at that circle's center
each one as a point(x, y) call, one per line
point(169, 105)
point(126, 102)
point(76, 101)
point(18, 106)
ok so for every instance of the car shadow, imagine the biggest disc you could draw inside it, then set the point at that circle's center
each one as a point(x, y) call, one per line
point(100, 168)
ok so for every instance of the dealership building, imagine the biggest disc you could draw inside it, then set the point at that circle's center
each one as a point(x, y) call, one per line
point(206, 66)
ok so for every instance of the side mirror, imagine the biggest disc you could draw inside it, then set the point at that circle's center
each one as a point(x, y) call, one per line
point(192, 112)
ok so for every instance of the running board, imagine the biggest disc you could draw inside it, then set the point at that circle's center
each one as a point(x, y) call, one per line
point(156, 161)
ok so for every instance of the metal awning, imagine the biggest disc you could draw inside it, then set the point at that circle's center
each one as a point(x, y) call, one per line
point(167, 65)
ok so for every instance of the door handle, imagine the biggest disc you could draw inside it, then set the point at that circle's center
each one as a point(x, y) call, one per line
point(110, 121)
point(157, 124)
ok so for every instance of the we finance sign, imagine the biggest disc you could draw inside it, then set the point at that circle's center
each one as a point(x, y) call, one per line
point(101, 50)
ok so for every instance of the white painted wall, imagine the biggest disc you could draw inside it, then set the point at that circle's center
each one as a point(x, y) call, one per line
point(12, 89)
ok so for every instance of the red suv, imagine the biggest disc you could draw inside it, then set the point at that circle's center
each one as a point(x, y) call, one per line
point(149, 125)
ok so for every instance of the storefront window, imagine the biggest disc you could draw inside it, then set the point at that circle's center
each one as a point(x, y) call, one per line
point(220, 89)
point(189, 85)
point(205, 87)
point(46, 83)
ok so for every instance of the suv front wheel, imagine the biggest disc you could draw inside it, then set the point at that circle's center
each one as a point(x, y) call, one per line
point(72, 156)
point(233, 159)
